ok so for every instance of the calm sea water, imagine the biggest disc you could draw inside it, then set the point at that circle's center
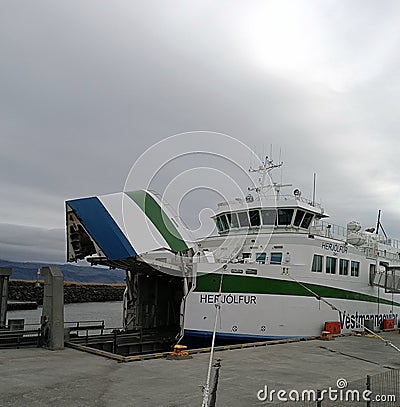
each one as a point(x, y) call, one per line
point(110, 312)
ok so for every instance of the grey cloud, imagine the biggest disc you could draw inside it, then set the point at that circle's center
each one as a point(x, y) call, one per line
point(24, 243)
point(86, 87)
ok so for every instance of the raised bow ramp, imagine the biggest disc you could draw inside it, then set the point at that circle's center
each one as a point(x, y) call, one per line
point(121, 226)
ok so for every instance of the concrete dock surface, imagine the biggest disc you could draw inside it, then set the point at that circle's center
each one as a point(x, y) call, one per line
point(39, 377)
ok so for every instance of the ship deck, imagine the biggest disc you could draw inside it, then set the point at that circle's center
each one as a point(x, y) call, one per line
point(39, 377)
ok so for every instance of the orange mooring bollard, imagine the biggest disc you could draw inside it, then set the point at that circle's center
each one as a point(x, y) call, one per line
point(179, 352)
point(326, 335)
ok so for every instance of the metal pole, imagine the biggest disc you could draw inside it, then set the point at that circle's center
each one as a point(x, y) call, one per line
point(4, 277)
point(115, 341)
point(378, 222)
point(314, 188)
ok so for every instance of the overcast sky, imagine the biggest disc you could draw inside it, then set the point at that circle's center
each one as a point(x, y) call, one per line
point(87, 86)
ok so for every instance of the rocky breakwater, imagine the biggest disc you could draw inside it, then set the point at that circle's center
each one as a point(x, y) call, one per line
point(19, 290)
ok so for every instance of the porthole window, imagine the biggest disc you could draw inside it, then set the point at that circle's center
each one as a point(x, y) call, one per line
point(276, 258)
point(260, 257)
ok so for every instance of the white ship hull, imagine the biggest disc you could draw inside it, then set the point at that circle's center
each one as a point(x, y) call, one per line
point(278, 316)
point(274, 303)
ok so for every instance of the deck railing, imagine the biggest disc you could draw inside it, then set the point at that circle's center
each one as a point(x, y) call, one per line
point(327, 229)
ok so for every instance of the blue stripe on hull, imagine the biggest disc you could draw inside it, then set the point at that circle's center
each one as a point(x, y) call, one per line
point(191, 333)
point(102, 228)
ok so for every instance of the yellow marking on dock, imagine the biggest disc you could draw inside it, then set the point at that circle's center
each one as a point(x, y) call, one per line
point(191, 351)
point(133, 358)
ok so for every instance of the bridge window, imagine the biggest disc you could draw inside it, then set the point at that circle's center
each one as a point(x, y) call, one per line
point(330, 266)
point(298, 218)
point(343, 267)
point(307, 220)
point(317, 264)
point(224, 222)
point(276, 258)
point(243, 219)
point(260, 258)
point(254, 218)
point(246, 256)
point(285, 216)
point(355, 268)
point(219, 224)
point(232, 220)
point(268, 216)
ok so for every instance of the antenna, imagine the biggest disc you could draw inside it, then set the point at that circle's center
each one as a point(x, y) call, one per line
point(267, 165)
point(314, 188)
point(379, 224)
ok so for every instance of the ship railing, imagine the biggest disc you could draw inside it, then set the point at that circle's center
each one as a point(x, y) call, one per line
point(372, 240)
point(393, 243)
point(273, 198)
point(297, 198)
point(326, 229)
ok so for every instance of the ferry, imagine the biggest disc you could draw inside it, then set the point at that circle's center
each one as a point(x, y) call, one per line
point(275, 268)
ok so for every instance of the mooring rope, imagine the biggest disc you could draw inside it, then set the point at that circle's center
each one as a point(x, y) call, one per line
point(206, 389)
point(334, 308)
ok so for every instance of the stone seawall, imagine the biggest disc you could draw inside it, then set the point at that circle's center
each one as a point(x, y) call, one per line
point(19, 290)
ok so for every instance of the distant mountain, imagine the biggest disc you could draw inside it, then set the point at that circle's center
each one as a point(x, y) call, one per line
point(79, 274)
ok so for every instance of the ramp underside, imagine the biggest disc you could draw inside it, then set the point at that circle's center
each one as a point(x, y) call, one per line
point(134, 264)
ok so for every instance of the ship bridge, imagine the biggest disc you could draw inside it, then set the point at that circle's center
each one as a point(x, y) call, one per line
point(135, 231)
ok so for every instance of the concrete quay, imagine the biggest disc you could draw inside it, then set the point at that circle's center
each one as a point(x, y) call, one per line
point(39, 377)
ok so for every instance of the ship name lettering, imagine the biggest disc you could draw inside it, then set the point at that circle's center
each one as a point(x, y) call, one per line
point(228, 299)
point(356, 320)
point(334, 247)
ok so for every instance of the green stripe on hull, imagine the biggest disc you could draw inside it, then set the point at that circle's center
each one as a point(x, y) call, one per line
point(259, 285)
point(159, 219)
